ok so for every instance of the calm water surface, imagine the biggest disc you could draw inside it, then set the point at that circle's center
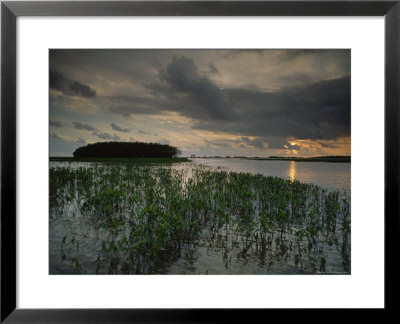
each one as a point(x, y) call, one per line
point(335, 176)
point(200, 260)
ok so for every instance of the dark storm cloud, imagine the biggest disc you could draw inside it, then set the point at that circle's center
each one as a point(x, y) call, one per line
point(261, 98)
point(119, 129)
point(79, 125)
point(55, 123)
point(116, 65)
point(106, 136)
point(319, 110)
point(57, 80)
point(70, 87)
point(82, 90)
point(257, 143)
point(303, 109)
point(184, 78)
point(275, 142)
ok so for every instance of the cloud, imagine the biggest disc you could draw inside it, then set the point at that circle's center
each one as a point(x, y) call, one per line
point(294, 79)
point(289, 55)
point(315, 110)
point(213, 69)
point(55, 136)
point(163, 141)
point(128, 106)
point(57, 80)
point(79, 125)
point(319, 110)
point(82, 90)
point(70, 87)
point(294, 147)
point(257, 143)
point(123, 110)
point(60, 146)
point(304, 108)
point(221, 143)
point(327, 145)
point(106, 136)
point(80, 141)
point(119, 129)
point(249, 95)
point(233, 54)
point(183, 79)
point(55, 123)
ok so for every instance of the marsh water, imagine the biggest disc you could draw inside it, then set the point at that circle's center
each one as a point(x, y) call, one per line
point(77, 244)
point(335, 176)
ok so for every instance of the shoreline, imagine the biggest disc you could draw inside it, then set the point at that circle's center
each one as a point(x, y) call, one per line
point(143, 160)
point(322, 159)
point(300, 159)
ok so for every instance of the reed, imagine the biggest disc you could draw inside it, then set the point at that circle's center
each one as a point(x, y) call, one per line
point(150, 216)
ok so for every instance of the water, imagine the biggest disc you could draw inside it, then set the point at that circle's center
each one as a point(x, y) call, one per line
point(208, 255)
point(334, 176)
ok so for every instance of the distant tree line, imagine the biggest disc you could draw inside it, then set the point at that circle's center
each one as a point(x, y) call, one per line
point(312, 157)
point(127, 150)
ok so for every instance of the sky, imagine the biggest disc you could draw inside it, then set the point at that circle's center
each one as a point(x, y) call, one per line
point(205, 102)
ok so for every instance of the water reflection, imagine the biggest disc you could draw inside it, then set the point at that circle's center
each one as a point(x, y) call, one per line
point(333, 176)
point(292, 171)
point(125, 219)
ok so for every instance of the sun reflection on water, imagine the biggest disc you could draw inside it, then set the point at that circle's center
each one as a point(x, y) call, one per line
point(292, 171)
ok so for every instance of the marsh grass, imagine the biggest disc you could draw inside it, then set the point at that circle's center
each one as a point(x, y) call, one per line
point(152, 216)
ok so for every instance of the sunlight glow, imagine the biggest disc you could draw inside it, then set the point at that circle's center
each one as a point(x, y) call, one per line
point(292, 171)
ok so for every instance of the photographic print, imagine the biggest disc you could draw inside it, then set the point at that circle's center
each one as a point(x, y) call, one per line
point(200, 161)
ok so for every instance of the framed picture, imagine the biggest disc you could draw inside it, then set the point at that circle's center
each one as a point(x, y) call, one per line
point(144, 143)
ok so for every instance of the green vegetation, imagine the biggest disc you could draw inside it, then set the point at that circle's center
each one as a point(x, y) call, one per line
point(126, 150)
point(146, 218)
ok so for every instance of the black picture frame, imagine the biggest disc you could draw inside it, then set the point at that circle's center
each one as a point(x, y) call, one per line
point(10, 10)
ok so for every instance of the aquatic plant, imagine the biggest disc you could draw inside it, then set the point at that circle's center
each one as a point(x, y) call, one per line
point(148, 216)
